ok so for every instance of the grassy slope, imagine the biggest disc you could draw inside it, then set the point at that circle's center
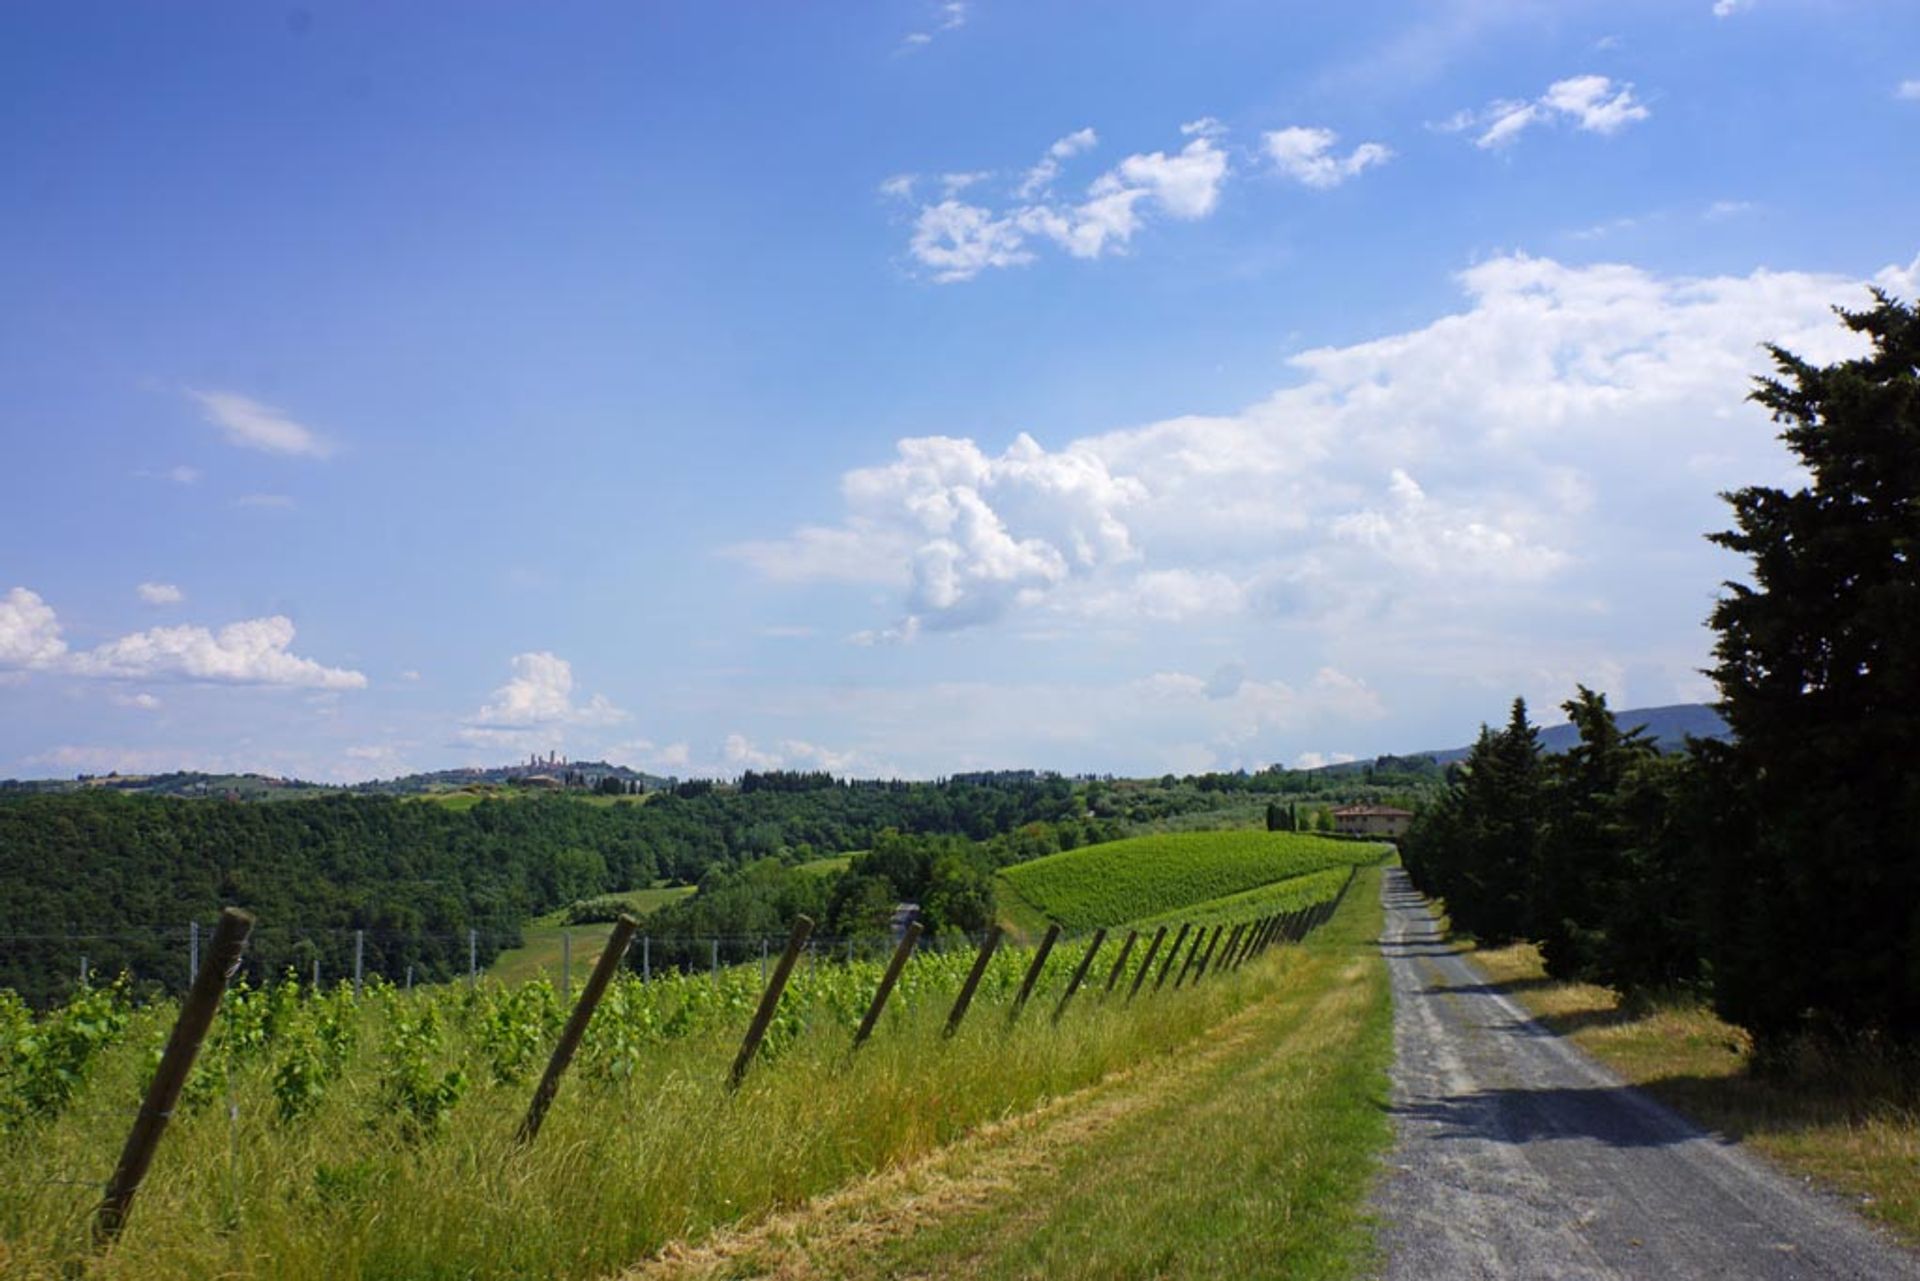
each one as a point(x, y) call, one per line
point(1122, 881)
point(1247, 1155)
point(541, 952)
point(629, 1164)
point(1281, 896)
point(1856, 1131)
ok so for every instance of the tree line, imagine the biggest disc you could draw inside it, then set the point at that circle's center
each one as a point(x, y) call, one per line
point(124, 875)
point(1778, 872)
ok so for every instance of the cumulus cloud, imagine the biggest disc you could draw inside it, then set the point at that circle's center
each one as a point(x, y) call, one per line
point(160, 593)
point(1307, 156)
point(29, 632)
point(535, 704)
point(1909, 91)
point(251, 425)
point(956, 240)
point(1534, 465)
point(1727, 8)
point(253, 652)
point(1591, 103)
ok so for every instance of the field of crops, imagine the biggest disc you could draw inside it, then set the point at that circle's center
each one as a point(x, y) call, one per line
point(1121, 882)
point(1281, 896)
point(324, 1134)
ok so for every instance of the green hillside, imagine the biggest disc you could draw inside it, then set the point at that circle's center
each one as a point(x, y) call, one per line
point(1150, 876)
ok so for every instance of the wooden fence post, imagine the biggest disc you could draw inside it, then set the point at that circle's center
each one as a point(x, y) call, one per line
point(359, 960)
point(196, 1015)
point(1047, 941)
point(1226, 950)
point(603, 971)
point(1173, 954)
point(1146, 962)
point(473, 958)
point(770, 1000)
point(961, 1002)
point(887, 980)
point(1238, 951)
point(1120, 962)
point(1079, 973)
point(1193, 953)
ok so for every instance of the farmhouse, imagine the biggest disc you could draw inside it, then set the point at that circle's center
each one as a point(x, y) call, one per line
point(1371, 820)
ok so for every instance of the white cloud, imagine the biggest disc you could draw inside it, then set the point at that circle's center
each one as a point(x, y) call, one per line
point(1506, 121)
point(1909, 91)
point(29, 631)
point(1039, 178)
point(1493, 491)
point(1592, 103)
point(1186, 184)
point(1720, 210)
point(1306, 155)
point(949, 15)
point(535, 705)
point(141, 702)
point(1727, 8)
point(957, 240)
point(160, 593)
point(265, 502)
point(253, 652)
point(252, 425)
point(899, 186)
point(1320, 760)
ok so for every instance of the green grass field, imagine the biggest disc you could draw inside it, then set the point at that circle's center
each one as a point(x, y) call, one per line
point(341, 1138)
point(540, 953)
point(1121, 882)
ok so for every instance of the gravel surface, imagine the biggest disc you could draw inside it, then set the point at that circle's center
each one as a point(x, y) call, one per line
point(1518, 1156)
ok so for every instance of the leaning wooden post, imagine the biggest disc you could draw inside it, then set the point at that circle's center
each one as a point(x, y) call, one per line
point(1146, 962)
point(1200, 939)
point(1226, 950)
point(1173, 954)
point(1272, 930)
point(887, 980)
point(1079, 973)
point(1238, 948)
point(1120, 962)
point(974, 975)
point(770, 1001)
point(183, 1046)
point(1255, 933)
point(1047, 941)
point(603, 972)
point(1250, 945)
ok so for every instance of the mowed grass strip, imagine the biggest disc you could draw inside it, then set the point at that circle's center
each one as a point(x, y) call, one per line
point(1120, 882)
point(1246, 1154)
point(1854, 1126)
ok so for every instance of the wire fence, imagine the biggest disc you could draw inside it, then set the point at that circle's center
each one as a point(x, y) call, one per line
point(47, 968)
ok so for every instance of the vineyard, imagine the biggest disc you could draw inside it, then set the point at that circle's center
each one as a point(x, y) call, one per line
point(324, 1133)
point(1118, 882)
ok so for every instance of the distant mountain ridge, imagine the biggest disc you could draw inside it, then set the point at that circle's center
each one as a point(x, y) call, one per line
point(1669, 727)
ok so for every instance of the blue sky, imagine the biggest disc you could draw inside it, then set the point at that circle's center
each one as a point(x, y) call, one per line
point(898, 387)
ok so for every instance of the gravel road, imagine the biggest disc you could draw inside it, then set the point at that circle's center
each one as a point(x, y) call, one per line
point(1518, 1156)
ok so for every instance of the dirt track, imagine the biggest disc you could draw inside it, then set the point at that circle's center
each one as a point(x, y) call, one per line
point(1518, 1156)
